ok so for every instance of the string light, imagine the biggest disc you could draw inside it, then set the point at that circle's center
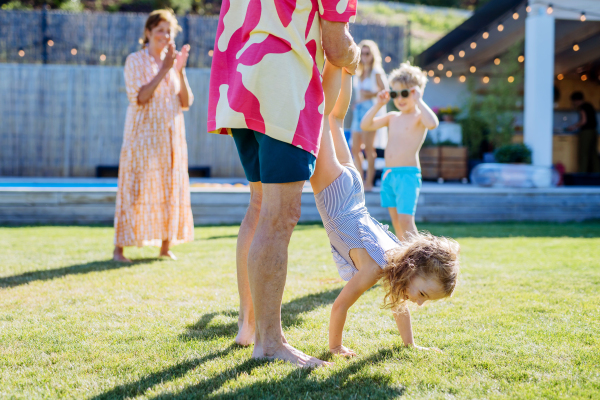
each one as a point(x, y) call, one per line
point(431, 73)
point(440, 66)
point(486, 35)
point(584, 77)
point(515, 15)
point(451, 57)
point(550, 9)
point(461, 53)
point(102, 57)
point(528, 8)
point(497, 61)
point(500, 27)
point(21, 53)
point(521, 58)
point(575, 47)
point(210, 53)
point(486, 79)
point(388, 59)
point(50, 42)
point(449, 74)
point(74, 51)
point(511, 79)
point(462, 78)
point(473, 45)
point(472, 69)
point(560, 77)
point(437, 79)
point(583, 17)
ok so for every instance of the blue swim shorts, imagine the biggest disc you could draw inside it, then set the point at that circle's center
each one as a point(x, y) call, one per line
point(400, 188)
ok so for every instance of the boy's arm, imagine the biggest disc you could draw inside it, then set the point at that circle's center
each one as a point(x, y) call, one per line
point(402, 317)
point(428, 117)
point(369, 122)
point(363, 280)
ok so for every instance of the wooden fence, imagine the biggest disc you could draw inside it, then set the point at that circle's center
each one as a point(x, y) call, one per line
point(94, 38)
point(58, 120)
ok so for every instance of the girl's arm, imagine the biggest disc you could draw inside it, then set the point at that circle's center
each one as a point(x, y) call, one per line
point(336, 121)
point(364, 279)
point(428, 117)
point(369, 122)
point(402, 317)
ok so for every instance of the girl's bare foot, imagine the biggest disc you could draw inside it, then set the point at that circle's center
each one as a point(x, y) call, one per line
point(245, 336)
point(119, 256)
point(343, 351)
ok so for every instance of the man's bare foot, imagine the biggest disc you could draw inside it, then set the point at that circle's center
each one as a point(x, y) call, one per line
point(119, 257)
point(245, 336)
point(287, 353)
point(343, 351)
point(167, 254)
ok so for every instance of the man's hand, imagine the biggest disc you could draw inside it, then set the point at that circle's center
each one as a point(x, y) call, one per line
point(339, 46)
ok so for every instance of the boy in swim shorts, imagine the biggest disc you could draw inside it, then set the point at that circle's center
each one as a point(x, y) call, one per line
point(401, 179)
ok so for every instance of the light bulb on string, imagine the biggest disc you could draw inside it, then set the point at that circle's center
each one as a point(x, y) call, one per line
point(461, 53)
point(575, 47)
point(485, 35)
point(500, 27)
point(511, 79)
point(584, 77)
point(515, 15)
point(560, 77)
point(497, 61)
point(50, 42)
point(521, 58)
point(550, 9)
point(528, 8)
point(473, 69)
point(473, 45)
point(583, 17)
point(102, 57)
point(74, 51)
point(451, 57)
point(211, 52)
point(449, 74)
point(486, 79)
point(440, 66)
point(21, 53)
point(437, 79)
point(431, 72)
point(462, 78)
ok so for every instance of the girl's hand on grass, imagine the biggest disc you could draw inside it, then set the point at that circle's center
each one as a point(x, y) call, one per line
point(343, 351)
point(383, 97)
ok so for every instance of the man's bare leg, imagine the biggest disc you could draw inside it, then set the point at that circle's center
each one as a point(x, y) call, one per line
point(404, 224)
point(246, 324)
point(267, 271)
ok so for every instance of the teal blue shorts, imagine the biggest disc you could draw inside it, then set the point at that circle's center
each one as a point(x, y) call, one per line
point(400, 188)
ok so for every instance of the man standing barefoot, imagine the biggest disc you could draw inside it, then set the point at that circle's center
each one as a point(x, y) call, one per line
point(265, 91)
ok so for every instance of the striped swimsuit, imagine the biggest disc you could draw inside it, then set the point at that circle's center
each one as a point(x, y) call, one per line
point(350, 226)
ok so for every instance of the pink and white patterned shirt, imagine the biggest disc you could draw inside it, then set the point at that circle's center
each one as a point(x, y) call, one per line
point(266, 69)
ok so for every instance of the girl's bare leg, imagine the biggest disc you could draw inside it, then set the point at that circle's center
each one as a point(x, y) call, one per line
point(357, 155)
point(119, 256)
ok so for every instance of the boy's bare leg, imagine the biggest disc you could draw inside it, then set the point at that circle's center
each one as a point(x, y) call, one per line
point(246, 323)
point(404, 224)
point(371, 155)
point(267, 271)
point(357, 155)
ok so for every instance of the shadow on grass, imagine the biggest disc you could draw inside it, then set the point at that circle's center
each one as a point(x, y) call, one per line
point(290, 316)
point(217, 237)
point(46, 275)
point(353, 381)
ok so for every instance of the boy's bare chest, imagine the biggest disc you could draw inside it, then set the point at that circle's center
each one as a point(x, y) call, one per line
point(406, 124)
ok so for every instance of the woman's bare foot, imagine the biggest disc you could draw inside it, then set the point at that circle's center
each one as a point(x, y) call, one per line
point(119, 256)
point(167, 254)
point(285, 352)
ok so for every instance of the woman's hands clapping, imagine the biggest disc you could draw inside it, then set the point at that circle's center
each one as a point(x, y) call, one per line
point(170, 57)
point(182, 58)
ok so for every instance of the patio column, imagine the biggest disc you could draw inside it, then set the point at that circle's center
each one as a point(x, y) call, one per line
point(539, 82)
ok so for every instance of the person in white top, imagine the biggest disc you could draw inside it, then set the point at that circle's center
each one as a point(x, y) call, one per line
point(369, 80)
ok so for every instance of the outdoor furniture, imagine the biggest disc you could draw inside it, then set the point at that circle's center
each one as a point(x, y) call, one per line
point(444, 163)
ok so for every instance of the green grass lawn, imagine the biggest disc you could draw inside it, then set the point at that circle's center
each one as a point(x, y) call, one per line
point(523, 323)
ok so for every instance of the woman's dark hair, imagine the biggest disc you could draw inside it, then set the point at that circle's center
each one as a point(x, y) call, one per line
point(576, 96)
point(155, 18)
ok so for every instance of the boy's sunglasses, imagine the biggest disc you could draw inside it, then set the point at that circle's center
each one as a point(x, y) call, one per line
point(404, 93)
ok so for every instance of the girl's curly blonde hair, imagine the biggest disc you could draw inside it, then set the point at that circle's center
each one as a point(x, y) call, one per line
point(423, 255)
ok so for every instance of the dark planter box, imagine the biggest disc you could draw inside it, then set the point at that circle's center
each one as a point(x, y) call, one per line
point(581, 179)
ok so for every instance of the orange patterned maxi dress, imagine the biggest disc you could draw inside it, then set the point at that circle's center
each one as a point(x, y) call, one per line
point(153, 197)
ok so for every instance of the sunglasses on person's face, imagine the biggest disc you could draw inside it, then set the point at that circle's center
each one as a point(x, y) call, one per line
point(403, 93)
